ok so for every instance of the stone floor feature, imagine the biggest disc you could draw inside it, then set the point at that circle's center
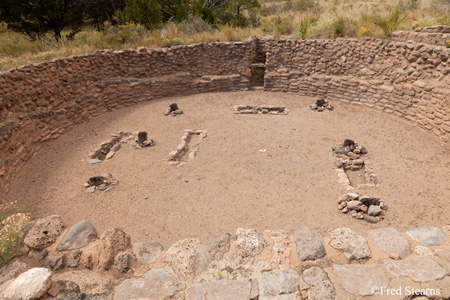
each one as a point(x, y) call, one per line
point(365, 208)
point(260, 109)
point(104, 182)
point(391, 241)
point(173, 110)
point(427, 236)
point(187, 149)
point(321, 105)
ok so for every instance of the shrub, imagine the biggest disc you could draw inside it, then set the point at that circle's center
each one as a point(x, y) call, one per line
point(447, 43)
point(11, 231)
point(129, 33)
point(145, 12)
point(390, 22)
point(304, 23)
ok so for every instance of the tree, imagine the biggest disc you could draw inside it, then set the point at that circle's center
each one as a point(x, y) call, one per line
point(99, 11)
point(37, 17)
point(145, 12)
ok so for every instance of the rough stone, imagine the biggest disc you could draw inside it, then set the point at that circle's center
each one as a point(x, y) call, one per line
point(419, 268)
point(79, 236)
point(390, 240)
point(147, 253)
point(354, 204)
point(239, 289)
point(374, 210)
point(321, 287)
point(220, 246)
point(11, 270)
point(427, 236)
point(68, 287)
point(278, 282)
point(74, 259)
point(281, 248)
point(145, 289)
point(443, 254)
point(33, 284)
point(55, 262)
point(180, 257)
point(352, 244)
point(113, 241)
point(309, 243)
point(249, 242)
point(44, 232)
point(359, 280)
point(83, 296)
point(160, 274)
point(122, 262)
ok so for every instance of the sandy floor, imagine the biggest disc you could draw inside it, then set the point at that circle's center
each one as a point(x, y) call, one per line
point(230, 183)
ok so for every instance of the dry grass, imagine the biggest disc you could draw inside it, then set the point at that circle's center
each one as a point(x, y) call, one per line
point(329, 18)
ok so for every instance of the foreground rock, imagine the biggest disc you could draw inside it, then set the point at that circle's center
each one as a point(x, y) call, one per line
point(145, 289)
point(147, 253)
point(359, 280)
point(79, 236)
point(249, 242)
point(320, 286)
point(11, 270)
point(419, 268)
point(180, 257)
point(278, 282)
point(353, 245)
point(113, 241)
point(239, 289)
point(32, 284)
point(427, 236)
point(390, 240)
point(44, 232)
point(309, 243)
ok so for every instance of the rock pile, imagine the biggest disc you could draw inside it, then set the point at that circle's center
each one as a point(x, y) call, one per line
point(365, 208)
point(176, 156)
point(260, 109)
point(349, 155)
point(173, 110)
point(321, 105)
point(103, 183)
point(108, 148)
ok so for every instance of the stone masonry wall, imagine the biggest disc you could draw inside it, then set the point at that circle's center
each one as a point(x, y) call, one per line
point(40, 102)
point(435, 35)
point(406, 79)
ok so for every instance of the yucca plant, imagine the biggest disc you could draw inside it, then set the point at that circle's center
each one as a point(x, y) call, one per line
point(390, 23)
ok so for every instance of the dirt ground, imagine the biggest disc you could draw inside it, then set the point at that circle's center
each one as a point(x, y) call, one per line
point(230, 183)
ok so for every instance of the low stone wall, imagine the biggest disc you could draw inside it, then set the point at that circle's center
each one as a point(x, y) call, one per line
point(76, 263)
point(435, 35)
point(41, 102)
point(408, 80)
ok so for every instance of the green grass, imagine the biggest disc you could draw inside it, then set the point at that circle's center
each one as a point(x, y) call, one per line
point(283, 19)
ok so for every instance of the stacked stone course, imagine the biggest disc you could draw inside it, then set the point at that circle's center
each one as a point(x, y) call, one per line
point(435, 35)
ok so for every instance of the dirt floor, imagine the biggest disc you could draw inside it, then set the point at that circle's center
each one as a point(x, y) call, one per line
point(230, 183)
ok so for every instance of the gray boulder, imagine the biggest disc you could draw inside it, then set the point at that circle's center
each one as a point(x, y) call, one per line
point(309, 243)
point(249, 242)
point(44, 232)
point(353, 245)
point(147, 253)
point(33, 284)
point(79, 236)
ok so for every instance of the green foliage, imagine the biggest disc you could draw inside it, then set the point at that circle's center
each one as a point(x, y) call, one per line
point(447, 43)
point(284, 26)
point(145, 12)
point(412, 4)
point(390, 22)
point(37, 17)
point(300, 5)
point(128, 33)
point(304, 24)
point(11, 231)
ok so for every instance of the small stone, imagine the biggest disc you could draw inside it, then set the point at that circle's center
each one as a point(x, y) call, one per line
point(363, 208)
point(116, 147)
point(110, 154)
point(354, 204)
point(54, 263)
point(113, 241)
point(342, 205)
point(352, 196)
point(92, 155)
point(383, 205)
point(33, 284)
point(370, 219)
point(122, 262)
point(394, 255)
point(91, 189)
point(345, 210)
point(68, 287)
point(74, 259)
point(422, 250)
point(177, 112)
point(79, 236)
point(94, 161)
point(427, 236)
point(374, 210)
